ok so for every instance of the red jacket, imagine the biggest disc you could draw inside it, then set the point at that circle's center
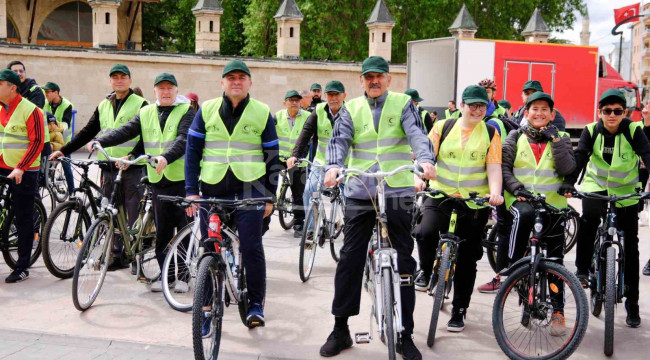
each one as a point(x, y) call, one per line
point(35, 132)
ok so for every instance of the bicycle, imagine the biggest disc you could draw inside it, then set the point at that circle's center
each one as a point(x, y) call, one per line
point(284, 203)
point(96, 250)
point(444, 264)
point(8, 231)
point(539, 284)
point(55, 181)
point(182, 262)
point(221, 277)
point(323, 227)
point(382, 279)
point(69, 222)
point(606, 279)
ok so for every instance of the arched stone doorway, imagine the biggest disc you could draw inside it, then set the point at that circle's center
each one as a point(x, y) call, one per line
point(70, 24)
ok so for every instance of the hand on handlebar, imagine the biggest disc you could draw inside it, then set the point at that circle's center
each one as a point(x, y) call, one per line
point(420, 185)
point(429, 171)
point(55, 155)
point(193, 209)
point(161, 164)
point(331, 177)
point(124, 166)
point(522, 194)
point(495, 199)
point(291, 162)
point(91, 146)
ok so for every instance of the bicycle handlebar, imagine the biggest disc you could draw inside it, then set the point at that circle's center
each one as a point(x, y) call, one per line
point(416, 169)
point(473, 196)
point(609, 198)
point(184, 202)
point(146, 157)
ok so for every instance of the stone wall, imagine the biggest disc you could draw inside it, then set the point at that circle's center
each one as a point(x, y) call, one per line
point(82, 74)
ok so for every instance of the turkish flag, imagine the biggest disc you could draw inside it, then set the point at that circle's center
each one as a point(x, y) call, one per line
point(626, 12)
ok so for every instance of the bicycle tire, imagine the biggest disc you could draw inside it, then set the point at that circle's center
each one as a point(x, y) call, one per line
point(10, 234)
point(242, 304)
point(91, 240)
point(283, 214)
point(308, 247)
point(439, 296)
point(492, 251)
point(571, 227)
point(338, 225)
point(610, 300)
point(571, 283)
point(59, 190)
point(71, 244)
point(209, 289)
point(596, 278)
point(178, 249)
point(389, 317)
point(149, 268)
point(46, 197)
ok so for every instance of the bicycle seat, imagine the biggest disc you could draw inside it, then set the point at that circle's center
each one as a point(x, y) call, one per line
point(145, 180)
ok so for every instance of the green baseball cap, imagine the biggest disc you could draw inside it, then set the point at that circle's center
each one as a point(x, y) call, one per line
point(235, 65)
point(315, 86)
point(292, 93)
point(615, 95)
point(540, 96)
point(51, 86)
point(121, 68)
point(335, 86)
point(532, 85)
point(414, 95)
point(505, 104)
point(475, 94)
point(376, 64)
point(8, 75)
point(165, 77)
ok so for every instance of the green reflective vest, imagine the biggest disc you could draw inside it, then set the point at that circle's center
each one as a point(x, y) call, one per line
point(60, 110)
point(537, 177)
point(157, 140)
point(324, 129)
point(286, 134)
point(462, 170)
point(387, 146)
point(423, 114)
point(502, 128)
point(621, 177)
point(241, 150)
point(455, 115)
point(108, 122)
point(15, 138)
point(499, 111)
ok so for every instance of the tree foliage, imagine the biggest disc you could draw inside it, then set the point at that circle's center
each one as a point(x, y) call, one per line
point(336, 29)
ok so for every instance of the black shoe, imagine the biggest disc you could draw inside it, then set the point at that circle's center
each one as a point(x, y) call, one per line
point(117, 264)
point(421, 281)
point(646, 269)
point(584, 279)
point(338, 341)
point(17, 276)
point(457, 321)
point(633, 319)
point(297, 231)
point(408, 350)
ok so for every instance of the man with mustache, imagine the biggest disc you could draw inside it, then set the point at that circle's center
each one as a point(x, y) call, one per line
point(315, 92)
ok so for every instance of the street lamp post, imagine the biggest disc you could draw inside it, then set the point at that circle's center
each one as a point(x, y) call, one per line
point(620, 33)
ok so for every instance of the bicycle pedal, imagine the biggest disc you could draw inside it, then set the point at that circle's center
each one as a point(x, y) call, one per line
point(362, 338)
point(405, 280)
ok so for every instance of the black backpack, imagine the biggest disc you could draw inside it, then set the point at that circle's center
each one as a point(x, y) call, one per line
point(449, 124)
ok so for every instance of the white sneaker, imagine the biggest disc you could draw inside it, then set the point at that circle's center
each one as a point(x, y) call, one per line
point(181, 287)
point(157, 286)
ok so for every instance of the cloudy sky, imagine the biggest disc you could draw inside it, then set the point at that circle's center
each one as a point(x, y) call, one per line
point(601, 16)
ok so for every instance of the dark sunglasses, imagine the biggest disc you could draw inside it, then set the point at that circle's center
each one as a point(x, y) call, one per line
point(617, 112)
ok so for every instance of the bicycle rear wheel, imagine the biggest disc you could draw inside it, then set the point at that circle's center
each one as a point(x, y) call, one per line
point(56, 181)
point(439, 294)
point(525, 331)
point(389, 317)
point(92, 264)
point(10, 233)
point(285, 211)
point(336, 238)
point(571, 226)
point(308, 246)
point(610, 300)
point(208, 309)
point(149, 268)
point(491, 248)
point(63, 236)
point(181, 264)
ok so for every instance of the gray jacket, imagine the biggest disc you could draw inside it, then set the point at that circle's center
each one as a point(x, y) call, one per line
point(562, 151)
point(341, 142)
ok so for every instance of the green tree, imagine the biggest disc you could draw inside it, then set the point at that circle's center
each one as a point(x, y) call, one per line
point(168, 26)
point(232, 28)
point(260, 28)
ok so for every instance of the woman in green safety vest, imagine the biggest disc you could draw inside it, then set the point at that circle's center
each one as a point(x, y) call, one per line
point(609, 152)
point(288, 125)
point(535, 160)
point(163, 129)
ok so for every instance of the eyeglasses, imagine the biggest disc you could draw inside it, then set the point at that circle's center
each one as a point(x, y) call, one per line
point(19, 71)
point(608, 111)
point(477, 106)
point(293, 100)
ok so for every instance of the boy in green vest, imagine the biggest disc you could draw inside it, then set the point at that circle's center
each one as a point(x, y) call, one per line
point(535, 160)
point(162, 128)
point(426, 117)
point(609, 152)
point(289, 124)
point(62, 110)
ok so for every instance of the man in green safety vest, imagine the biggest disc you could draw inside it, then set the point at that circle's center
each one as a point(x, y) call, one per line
point(232, 145)
point(535, 160)
point(114, 111)
point(609, 152)
point(162, 128)
point(289, 124)
point(426, 117)
point(61, 108)
point(452, 112)
point(380, 131)
point(21, 141)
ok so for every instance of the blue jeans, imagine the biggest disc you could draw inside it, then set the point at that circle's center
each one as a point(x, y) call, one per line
point(316, 176)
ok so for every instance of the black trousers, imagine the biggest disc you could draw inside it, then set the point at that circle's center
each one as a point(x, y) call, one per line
point(298, 177)
point(22, 199)
point(360, 219)
point(470, 226)
point(504, 226)
point(168, 217)
point(132, 190)
point(627, 220)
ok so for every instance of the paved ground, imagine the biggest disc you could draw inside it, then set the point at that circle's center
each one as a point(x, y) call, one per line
point(39, 321)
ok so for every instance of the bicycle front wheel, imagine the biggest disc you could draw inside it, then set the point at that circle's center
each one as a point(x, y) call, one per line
point(10, 233)
point(309, 242)
point(63, 236)
point(551, 327)
point(610, 300)
point(207, 309)
point(285, 210)
point(389, 317)
point(92, 263)
point(56, 181)
point(336, 239)
point(439, 294)
point(181, 264)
